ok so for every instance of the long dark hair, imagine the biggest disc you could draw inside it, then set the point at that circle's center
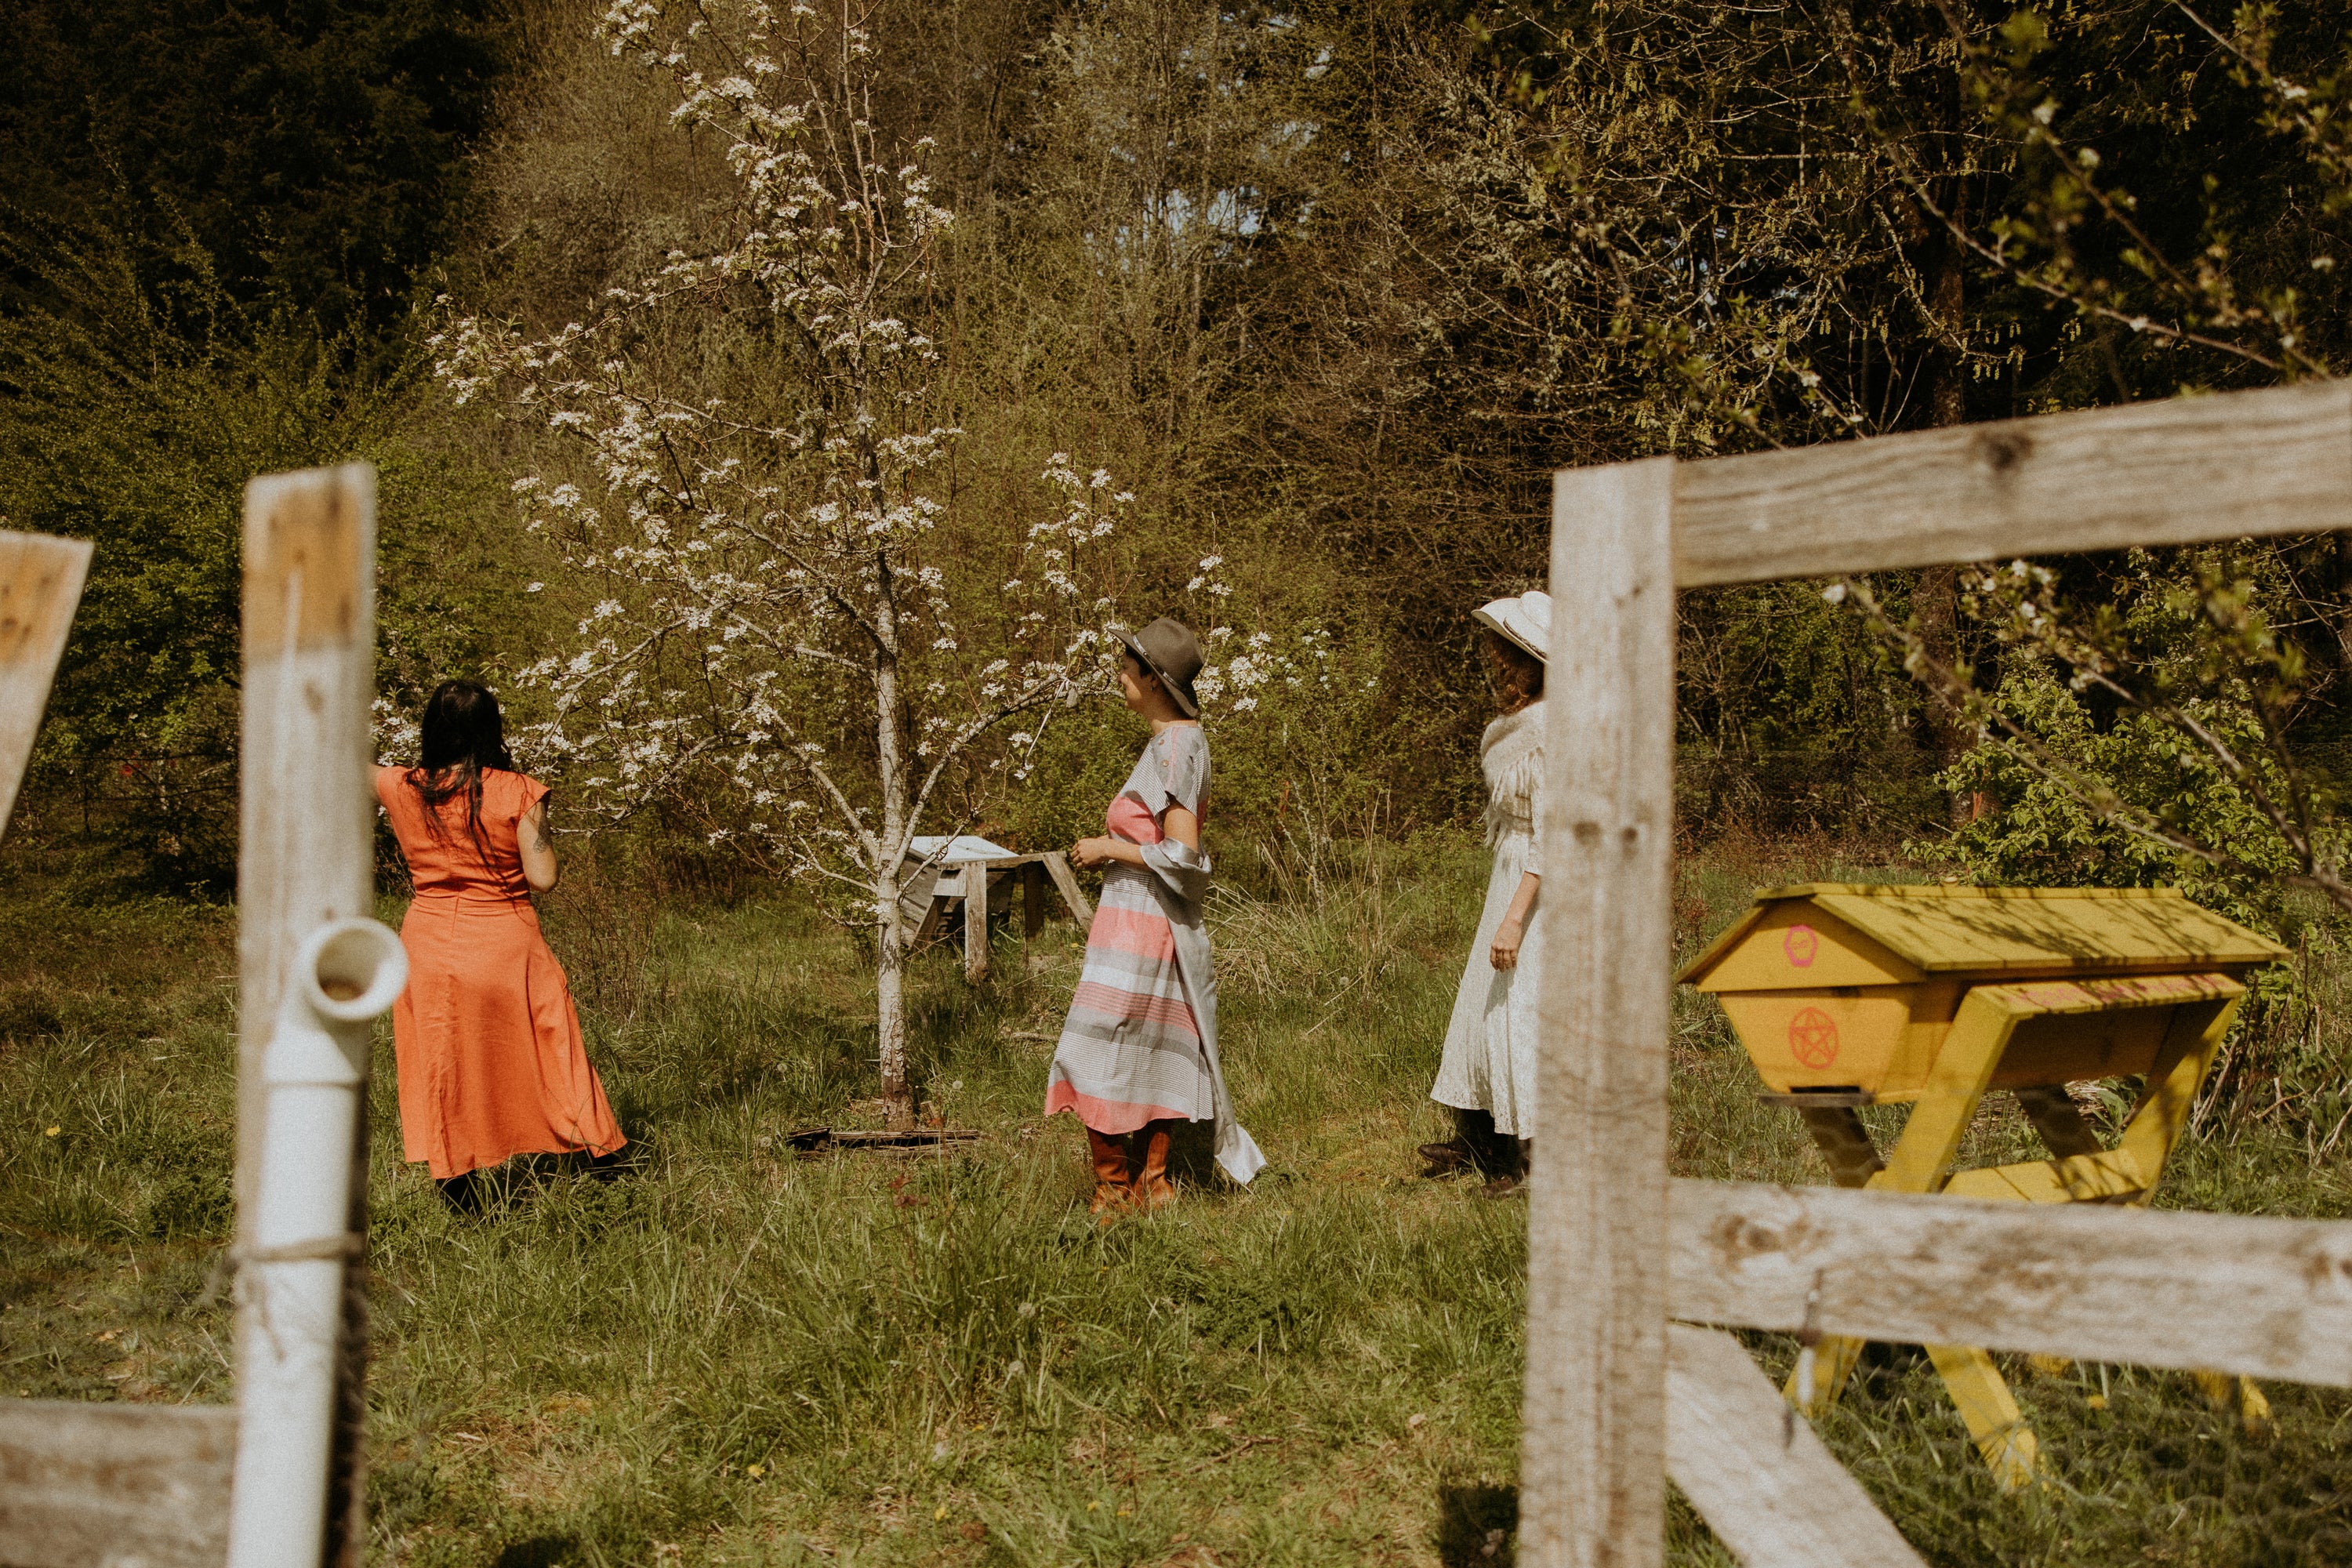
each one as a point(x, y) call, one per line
point(1522, 678)
point(463, 733)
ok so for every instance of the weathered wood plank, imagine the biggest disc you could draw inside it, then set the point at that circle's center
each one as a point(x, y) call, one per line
point(976, 923)
point(1066, 882)
point(41, 584)
point(307, 849)
point(2273, 461)
point(2266, 1297)
point(1766, 1484)
point(915, 897)
point(111, 1486)
point(1032, 900)
point(1592, 1465)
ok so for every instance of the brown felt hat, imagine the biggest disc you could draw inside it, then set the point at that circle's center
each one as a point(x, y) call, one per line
point(1168, 650)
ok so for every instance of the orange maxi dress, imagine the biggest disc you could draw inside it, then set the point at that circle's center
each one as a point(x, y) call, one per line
point(488, 1042)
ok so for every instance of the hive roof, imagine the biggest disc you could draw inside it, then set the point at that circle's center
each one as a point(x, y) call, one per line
point(2000, 930)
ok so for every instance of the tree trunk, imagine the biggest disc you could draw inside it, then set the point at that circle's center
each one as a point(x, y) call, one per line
point(890, 757)
point(890, 999)
point(1935, 605)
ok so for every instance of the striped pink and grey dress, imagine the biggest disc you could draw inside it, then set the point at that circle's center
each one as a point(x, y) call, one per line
point(1141, 1043)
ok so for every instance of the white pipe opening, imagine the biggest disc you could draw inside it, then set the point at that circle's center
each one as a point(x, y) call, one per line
point(346, 974)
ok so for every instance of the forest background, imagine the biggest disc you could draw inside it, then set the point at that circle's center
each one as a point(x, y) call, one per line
point(1332, 288)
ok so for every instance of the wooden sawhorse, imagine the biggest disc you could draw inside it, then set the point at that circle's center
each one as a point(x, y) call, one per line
point(966, 878)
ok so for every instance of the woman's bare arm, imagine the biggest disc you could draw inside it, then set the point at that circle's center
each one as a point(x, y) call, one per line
point(1505, 955)
point(538, 848)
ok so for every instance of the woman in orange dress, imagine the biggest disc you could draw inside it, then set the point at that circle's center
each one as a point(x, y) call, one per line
point(491, 1061)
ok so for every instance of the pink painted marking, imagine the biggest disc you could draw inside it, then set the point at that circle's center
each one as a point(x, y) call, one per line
point(1803, 944)
point(1813, 1038)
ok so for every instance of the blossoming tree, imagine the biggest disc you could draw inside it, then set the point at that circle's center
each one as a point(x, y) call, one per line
point(751, 481)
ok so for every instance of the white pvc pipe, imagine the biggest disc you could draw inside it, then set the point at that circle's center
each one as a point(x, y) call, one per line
point(345, 974)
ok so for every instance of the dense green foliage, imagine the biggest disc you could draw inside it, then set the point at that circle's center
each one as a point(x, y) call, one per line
point(213, 221)
point(1332, 287)
point(311, 149)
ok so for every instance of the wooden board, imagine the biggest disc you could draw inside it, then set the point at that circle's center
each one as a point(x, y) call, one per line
point(1066, 882)
point(1883, 1039)
point(111, 1486)
point(1591, 1469)
point(40, 585)
point(2273, 461)
point(2267, 1298)
point(1766, 1484)
point(976, 923)
point(914, 896)
point(926, 896)
point(306, 853)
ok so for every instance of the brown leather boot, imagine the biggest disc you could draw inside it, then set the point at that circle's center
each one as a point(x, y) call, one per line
point(1151, 1188)
point(1113, 1191)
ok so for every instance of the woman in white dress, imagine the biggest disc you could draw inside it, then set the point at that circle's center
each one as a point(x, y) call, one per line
point(1488, 1071)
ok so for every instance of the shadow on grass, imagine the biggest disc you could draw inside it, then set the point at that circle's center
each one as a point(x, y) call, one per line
point(1477, 1525)
point(540, 1552)
point(1193, 1156)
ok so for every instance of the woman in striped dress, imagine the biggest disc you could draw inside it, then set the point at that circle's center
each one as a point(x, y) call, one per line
point(1139, 1053)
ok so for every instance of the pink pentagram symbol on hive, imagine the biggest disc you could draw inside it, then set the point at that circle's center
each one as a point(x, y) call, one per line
point(1800, 942)
point(1812, 1038)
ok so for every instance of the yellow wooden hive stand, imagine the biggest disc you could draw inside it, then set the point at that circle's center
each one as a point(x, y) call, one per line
point(1847, 995)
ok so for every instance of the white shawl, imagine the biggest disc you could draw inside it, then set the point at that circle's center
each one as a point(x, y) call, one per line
point(1511, 752)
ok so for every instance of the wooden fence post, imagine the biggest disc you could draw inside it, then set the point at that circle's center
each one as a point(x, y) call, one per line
point(83, 1483)
point(307, 850)
point(1623, 537)
point(1593, 1459)
point(41, 584)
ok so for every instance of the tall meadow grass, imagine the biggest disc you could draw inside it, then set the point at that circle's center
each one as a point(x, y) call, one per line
point(737, 1353)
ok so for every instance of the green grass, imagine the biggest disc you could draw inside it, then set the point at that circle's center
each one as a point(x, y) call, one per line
point(737, 1354)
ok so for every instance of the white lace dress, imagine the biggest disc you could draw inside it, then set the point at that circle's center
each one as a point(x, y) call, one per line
point(1490, 1048)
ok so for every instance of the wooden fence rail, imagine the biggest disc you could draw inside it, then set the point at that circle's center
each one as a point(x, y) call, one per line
point(1596, 1418)
point(1769, 1487)
point(2248, 463)
point(2267, 1298)
point(113, 1486)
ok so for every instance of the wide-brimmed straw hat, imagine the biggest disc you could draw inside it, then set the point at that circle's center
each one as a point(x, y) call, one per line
point(1525, 622)
point(1168, 650)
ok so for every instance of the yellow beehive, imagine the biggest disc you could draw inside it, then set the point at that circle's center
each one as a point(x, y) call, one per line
point(1836, 986)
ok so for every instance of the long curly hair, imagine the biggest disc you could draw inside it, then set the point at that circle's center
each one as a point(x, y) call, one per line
point(1519, 674)
point(463, 733)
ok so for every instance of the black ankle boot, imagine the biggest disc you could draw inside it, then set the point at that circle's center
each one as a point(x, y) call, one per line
point(462, 1194)
point(1450, 1159)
